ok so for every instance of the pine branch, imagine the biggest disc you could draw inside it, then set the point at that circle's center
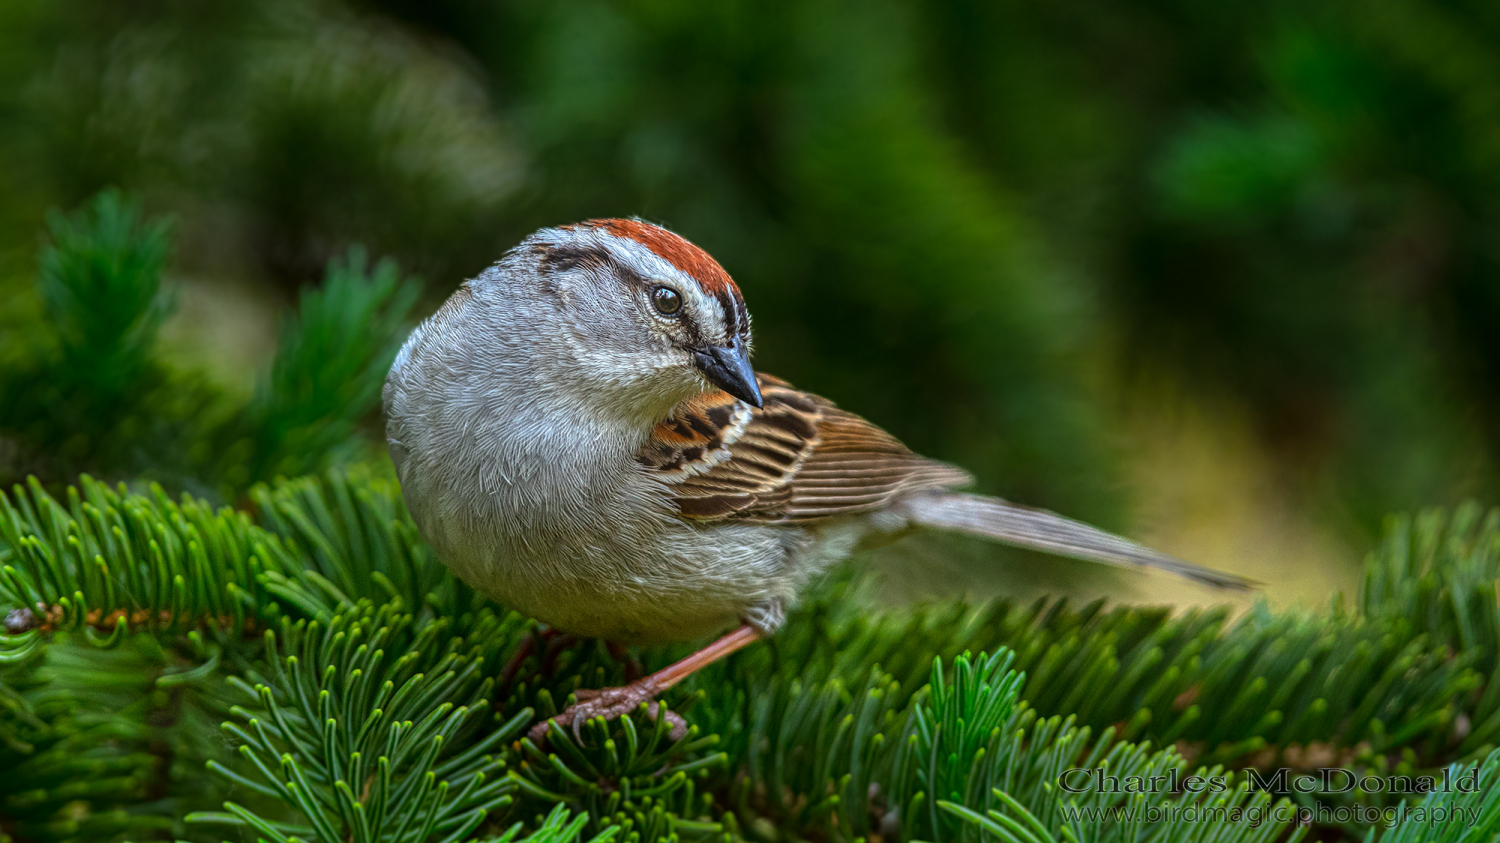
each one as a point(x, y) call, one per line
point(354, 532)
point(1444, 815)
point(113, 559)
point(87, 738)
point(94, 395)
point(373, 730)
point(841, 727)
point(101, 281)
point(331, 361)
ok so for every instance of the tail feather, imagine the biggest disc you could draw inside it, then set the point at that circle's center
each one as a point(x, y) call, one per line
point(1039, 529)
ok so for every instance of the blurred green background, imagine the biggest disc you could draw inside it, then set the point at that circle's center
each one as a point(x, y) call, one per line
point(1224, 276)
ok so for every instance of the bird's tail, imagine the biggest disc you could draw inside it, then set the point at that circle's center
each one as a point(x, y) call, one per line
point(1039, 529)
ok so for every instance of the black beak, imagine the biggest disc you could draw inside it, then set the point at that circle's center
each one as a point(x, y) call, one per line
point(728, 367)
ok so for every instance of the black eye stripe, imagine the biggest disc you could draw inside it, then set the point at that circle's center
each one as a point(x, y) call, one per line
point(563, 258)
point(731, 314)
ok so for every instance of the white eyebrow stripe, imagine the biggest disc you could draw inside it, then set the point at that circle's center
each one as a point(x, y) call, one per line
point(653, 267)
point(712, 321)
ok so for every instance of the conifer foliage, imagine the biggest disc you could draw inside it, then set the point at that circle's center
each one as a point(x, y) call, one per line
point(247, 658)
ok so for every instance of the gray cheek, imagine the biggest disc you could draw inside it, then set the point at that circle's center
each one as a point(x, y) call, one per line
point(607, 324)
point(680, 336)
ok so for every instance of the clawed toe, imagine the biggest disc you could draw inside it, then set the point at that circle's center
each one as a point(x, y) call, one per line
point(610, 704)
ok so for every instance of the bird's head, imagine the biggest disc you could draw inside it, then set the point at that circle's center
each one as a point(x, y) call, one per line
point(644, 315)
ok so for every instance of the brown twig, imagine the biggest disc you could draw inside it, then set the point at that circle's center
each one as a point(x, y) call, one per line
point(50, 618)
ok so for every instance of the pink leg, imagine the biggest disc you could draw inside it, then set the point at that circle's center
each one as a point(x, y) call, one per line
point(550, 640)
point(611, 703)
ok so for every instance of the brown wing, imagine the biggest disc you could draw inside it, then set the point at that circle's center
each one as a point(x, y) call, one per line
point(798, 458)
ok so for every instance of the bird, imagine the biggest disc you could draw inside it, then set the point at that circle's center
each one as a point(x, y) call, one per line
point(580, 435)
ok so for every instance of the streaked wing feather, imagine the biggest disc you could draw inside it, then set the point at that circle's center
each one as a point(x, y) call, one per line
point(798, 458)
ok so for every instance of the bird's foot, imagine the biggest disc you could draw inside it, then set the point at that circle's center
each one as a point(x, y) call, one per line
point(611, 704)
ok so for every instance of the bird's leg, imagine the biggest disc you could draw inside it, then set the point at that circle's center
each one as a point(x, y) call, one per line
point(550, 642)
point(611, 703)
point(512, 667)
point(626, 659)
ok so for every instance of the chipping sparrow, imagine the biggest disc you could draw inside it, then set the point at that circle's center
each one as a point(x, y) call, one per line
point(580, 435)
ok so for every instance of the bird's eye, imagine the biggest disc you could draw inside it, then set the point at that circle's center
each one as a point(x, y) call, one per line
point(667, 300)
